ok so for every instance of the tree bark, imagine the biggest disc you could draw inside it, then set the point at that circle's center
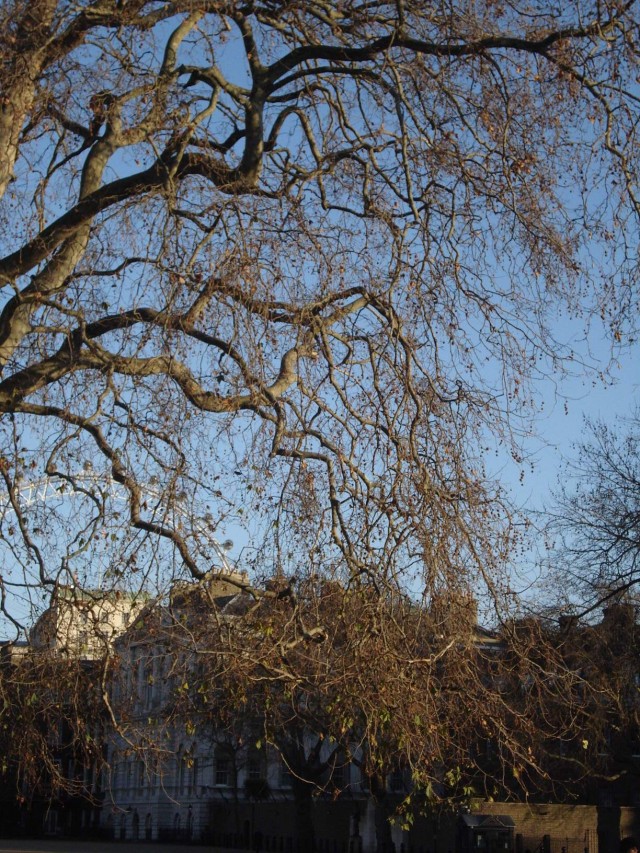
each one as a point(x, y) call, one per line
point(303, 810)
point(384, 840)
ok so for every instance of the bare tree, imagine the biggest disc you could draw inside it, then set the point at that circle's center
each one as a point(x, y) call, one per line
point(401, 692)
point(595, 522)
point(53, 729)
point(287, 265)
point(289, 262)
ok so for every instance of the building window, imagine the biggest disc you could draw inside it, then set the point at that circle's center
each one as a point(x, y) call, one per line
point(396, 781)
point(341, 776)
point(254, 768)
point(223, 770)
point(148, 688)
point(285, 780)
point(189, 774)
point(88, 778)
point(153, 773)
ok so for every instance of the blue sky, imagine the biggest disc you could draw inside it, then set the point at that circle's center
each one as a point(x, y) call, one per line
point(564, 406)
point(561, 421)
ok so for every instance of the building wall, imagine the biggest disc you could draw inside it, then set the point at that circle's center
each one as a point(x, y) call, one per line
point(571, 828)
point(176, 802)
point(559, 821)
point(84, 624)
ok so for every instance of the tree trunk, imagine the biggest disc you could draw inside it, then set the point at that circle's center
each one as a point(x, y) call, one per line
point(24, 53)
point(384, 840)
point(303, 815)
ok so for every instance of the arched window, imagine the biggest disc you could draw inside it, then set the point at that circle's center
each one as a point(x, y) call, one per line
point(136, 825)
point(148, 827)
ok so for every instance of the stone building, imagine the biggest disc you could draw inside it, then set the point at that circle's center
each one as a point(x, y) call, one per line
point(83, 623)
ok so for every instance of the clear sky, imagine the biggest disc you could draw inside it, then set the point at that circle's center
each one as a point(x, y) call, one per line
point(561, 426)
point(561, 420)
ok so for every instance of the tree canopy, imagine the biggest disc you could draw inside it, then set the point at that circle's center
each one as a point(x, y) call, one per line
point(393, 689)
point(293, 262)
point(295, 267)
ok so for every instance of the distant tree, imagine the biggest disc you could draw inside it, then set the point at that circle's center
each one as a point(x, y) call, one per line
point(602, 753)
point(595, 522)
